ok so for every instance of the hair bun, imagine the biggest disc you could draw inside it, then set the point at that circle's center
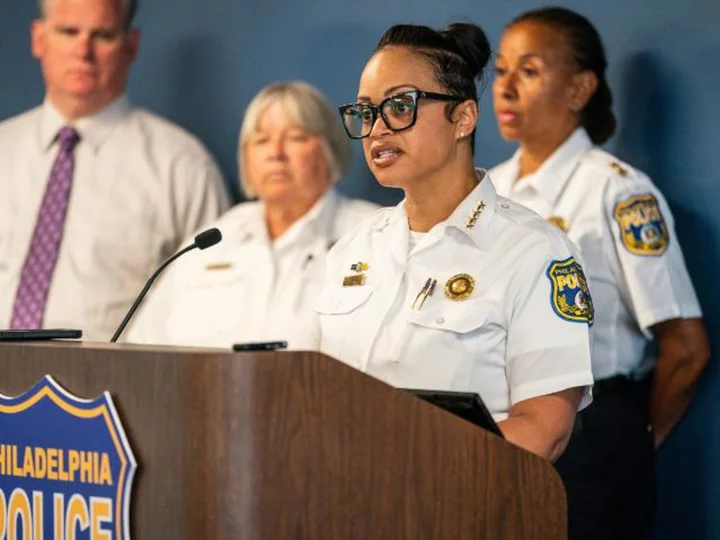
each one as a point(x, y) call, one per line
point(471, 44)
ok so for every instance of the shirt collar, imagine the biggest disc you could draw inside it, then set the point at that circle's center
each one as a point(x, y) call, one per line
point(471, 217)
point(552, 176)
point(94, 129)
point(317, 222)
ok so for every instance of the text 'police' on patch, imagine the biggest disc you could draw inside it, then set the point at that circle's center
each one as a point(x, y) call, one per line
point(570, 296)
point(642, 227)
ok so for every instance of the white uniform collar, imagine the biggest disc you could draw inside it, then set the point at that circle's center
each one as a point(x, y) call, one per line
point(471, 217)
point(94, 129)
point(318, 221)
point(552, 176)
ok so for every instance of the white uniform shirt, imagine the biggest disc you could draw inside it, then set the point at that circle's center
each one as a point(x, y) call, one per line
point(248, 288)
point(505, 341)
point(140, 186)
point(625, 232)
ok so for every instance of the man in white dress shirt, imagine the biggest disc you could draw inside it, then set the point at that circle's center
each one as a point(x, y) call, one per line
point(95, 193)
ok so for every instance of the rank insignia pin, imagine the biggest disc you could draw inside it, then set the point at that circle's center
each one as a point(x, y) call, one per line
point(615, 166)
point(476, 213)
point(559, 222)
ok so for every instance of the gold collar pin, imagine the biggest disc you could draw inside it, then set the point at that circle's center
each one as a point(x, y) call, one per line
point(559, 222)
point(615, 166)
point(476, 213)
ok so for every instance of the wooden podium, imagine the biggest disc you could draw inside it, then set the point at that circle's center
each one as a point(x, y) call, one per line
point(295, 446)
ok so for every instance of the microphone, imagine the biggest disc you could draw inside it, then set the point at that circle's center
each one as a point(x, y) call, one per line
point(203, 240)
point(206, 239)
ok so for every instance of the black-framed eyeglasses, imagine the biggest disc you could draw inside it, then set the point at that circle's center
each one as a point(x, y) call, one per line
point(399, 112)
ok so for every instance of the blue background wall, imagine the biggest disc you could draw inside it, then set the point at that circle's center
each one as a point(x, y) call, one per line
point(202, 61)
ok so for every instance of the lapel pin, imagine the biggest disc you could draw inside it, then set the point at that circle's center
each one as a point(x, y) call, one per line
point(359, 267)
point(476, 213)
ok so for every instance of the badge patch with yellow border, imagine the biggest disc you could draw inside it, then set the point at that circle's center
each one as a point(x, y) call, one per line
point(642, 227)
point(570, 296)
point(65, 466)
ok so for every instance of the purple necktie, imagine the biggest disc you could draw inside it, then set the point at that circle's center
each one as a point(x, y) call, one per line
point(37, 272)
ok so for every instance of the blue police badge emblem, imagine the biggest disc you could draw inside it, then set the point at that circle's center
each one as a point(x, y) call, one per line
point(570, 296)
point(65, 465)
point(642, 227)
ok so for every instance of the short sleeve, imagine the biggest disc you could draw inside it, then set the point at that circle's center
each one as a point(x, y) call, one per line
point(649, 258)
point(549, 341)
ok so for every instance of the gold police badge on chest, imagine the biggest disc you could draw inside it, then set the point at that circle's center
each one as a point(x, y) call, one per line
point(459, 287)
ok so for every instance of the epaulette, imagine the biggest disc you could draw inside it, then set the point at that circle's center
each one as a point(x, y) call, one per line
point(622, 171)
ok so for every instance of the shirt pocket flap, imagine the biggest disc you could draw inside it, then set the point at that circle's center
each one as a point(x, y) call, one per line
point(458, 318)
point(338, 301)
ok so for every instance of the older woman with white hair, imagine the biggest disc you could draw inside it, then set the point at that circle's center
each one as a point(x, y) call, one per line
point(260, 283)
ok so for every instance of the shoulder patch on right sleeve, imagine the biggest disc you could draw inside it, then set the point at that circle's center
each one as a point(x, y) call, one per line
point(570, 296)
point(643, 230)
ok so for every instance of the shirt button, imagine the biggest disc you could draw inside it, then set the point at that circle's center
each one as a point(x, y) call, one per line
point(505, 205)
point(440, 320)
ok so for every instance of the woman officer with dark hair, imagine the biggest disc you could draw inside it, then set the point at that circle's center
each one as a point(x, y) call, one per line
point(455, 288)
point(551, 96)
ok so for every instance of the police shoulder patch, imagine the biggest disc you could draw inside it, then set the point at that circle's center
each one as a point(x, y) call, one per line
point(570, 296)
point(642, 227)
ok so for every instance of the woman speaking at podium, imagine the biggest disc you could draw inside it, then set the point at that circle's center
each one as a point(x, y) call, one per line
point(260, 282)
point(455, 288)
